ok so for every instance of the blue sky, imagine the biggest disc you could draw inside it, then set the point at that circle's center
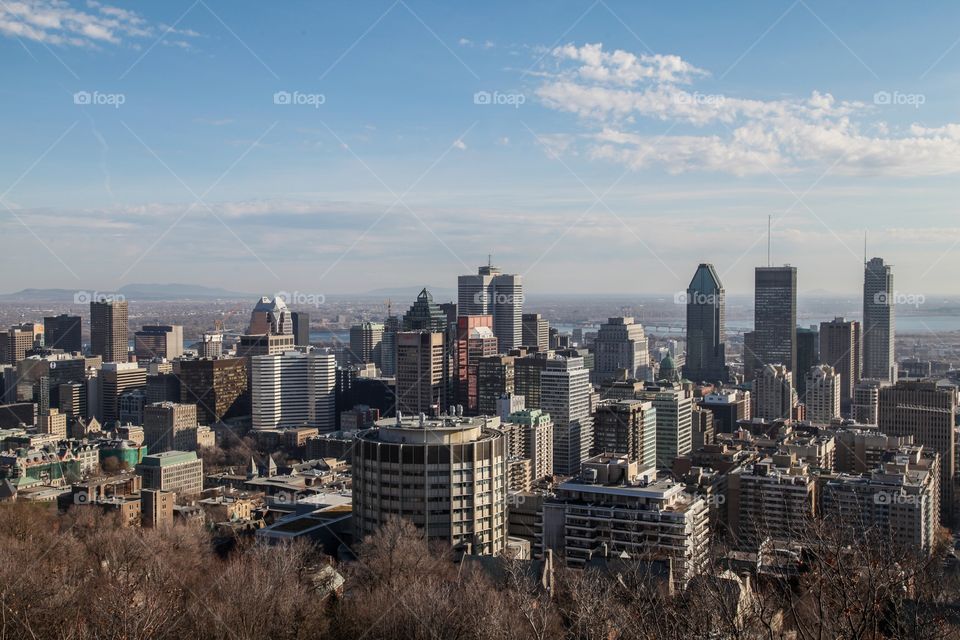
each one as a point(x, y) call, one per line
point(623, 143)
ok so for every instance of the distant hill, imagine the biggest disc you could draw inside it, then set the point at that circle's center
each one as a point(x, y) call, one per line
point(130, 291)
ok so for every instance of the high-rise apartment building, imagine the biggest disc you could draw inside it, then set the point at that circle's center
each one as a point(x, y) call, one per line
point(822, 398)
point(706, 328)
point(475, 341)
point(420, 385)
point(774, 336)
point(865, 406)
point(210, 345)
point(294, 389)
point(928, 413)
point(565, 394)
point(627, 428)
point(492, 293)
point(774, 397)
point(109, 333)
point(530, 435)
point(62, 332)
point(536, 331)
point(879, 322)
point(620, 344)
point(428, 471)
point(158, 341)
point(840, 348)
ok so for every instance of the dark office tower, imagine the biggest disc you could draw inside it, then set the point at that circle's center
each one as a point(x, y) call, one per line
point(879, 322)
point(808, 355)
point(62, 332)
point(495, 378)
point(388, 346)
point(109, 336)
point(301, 328)
point(706, 357)
point(526, 376)
point(492, 293)
point(774, 335)
point(536, 331)
point(218, 387)
point(840, 348)
point(427, 315)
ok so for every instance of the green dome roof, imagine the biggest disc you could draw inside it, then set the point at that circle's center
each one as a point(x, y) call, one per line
point(667, 363)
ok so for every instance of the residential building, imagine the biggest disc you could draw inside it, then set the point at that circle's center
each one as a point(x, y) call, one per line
point(446, 475)
point(773, 395)
point(627, 428)
point(823, 395)
point(530, 436)
point(366, 343)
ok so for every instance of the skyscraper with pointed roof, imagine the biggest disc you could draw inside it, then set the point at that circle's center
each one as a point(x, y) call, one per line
point(706, 328)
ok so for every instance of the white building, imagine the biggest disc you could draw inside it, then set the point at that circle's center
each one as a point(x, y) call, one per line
point(565, 394)
point(674, 416)
point(823, 394)
point(773, 394)
point(294, 389)
point(492, 293)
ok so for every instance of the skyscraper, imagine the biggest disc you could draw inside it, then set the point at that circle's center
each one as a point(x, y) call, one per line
point(706, 328)
point(271, 317)
point(673, 408)
point(158, 341)
point(491, 293)
point(388, 346)
point(109, 335)
point(301, 328)
point(366, 343)
point(420, 365)
point(808, 355)
point(840, 348)
point(536, 331)
point(628, 428)
point(475, 340)
point(620, 344)
point(427, 315)
point(294, 389)
point(62, 332)
point(115, 378)
point(879, 322)
point(565, 394)
point(774, 336)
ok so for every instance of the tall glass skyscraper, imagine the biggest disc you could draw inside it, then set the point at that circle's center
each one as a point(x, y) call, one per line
point(491, 293)
point(879, 322)
point(706, 328)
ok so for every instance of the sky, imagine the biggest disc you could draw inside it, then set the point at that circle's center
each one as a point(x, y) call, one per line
point(600, 146)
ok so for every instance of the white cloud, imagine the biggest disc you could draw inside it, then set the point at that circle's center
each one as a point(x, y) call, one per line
point(610, 91)
point(460, 144)
point(56, 22)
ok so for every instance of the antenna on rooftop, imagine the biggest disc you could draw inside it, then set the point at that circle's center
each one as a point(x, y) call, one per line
point(769, 218)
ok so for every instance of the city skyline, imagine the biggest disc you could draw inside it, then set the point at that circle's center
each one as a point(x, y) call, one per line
point(639, 123)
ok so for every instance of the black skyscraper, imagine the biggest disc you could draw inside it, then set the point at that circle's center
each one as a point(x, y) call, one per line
point(706, 357)
point(774, 336)
point(62, 332)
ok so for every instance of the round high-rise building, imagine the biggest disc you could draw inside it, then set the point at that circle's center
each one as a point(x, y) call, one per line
point(447, 475)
